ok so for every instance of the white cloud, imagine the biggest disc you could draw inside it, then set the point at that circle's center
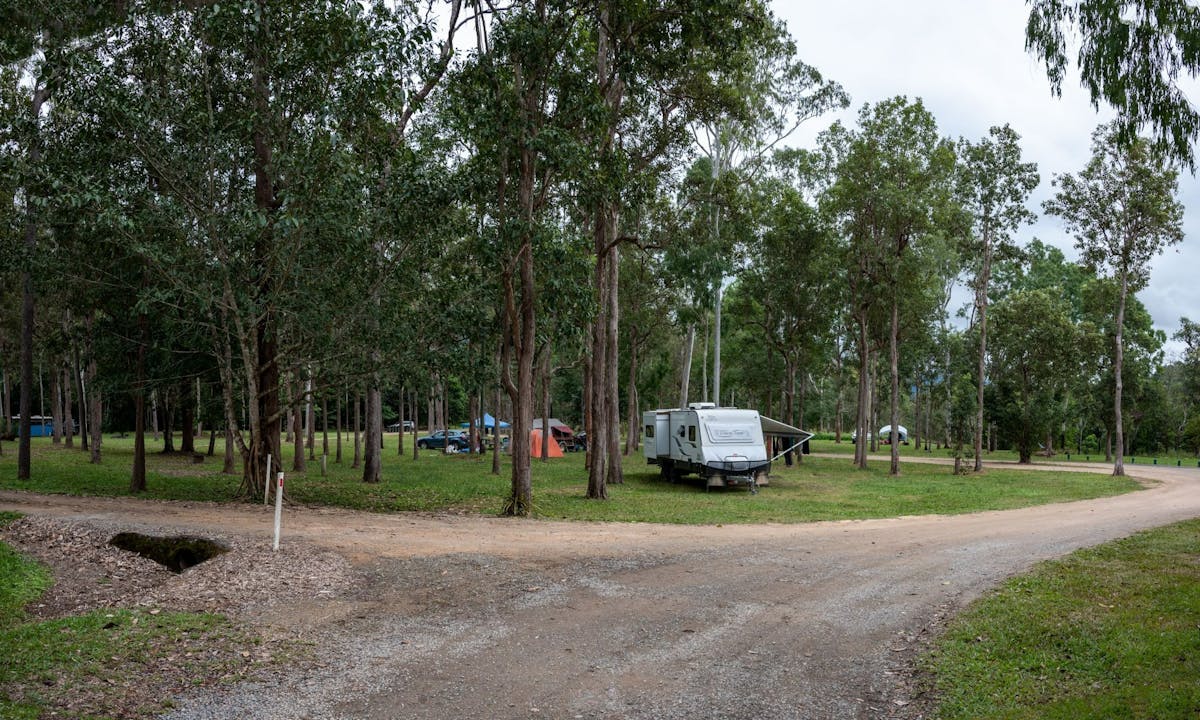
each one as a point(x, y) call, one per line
point(966, 59)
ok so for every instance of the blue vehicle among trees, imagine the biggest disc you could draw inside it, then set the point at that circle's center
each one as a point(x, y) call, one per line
point(436, 441)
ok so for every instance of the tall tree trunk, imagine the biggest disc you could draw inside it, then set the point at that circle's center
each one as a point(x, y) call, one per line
point(168, 426)
point(24, 442)
point(496, 434)
point(837, 411)
point(895, 377)
point(187, 442)
point(137, 479)
point(862, 421)
point(1118, 371)
point(689, 346)
point(631, 397)
point(616, 471)
point(373, 437)
point(56, 404)
point(68, 401)
point(403, 414)
point(96, 409)
point(547, 431)
point(310, 418)
point(298, 462)
point(338, 449)
point(357, 427)
point(325, 424)
point(981, 302)
point(416, 408)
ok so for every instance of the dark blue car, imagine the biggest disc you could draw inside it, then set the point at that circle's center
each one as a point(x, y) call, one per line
point(436, 441)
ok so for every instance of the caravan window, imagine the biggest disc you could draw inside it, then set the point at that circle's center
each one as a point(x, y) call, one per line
point(691, 433)
point(649, 431)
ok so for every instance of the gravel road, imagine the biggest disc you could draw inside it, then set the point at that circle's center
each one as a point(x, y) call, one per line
point(470, 617)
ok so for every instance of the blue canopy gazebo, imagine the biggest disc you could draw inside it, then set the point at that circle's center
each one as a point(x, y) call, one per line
point(487, 422)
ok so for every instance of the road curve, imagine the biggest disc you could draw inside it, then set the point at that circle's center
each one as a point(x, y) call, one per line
point(474, 617)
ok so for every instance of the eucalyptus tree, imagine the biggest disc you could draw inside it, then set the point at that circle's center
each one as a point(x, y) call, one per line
point(1035, 354)
point(258, 129)
point(1142, 351)
point(658, 69)
point(36, 39)
point(891, 193)
point(794, 279)
point(992, 186)
point(1122, 210)
point(519, 105)
point(1131, 54)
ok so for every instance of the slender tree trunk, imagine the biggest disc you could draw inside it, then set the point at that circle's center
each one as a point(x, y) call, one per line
point(168, 428)
point(631, 397)
point(338, 450)
point(325, 424)
point(496, 435)
point(616, 471)
point(56, 433)
point(837, 411)
point(403, 415)
point(416, 408)
point(689, 346)
point(895, 377)
point(547, 432)
point(357, 428)
point(228, 467)
point(97, 414)
point(24, 442)
point(864, 394)
point(373, 439)
point(187, 442)
point(137, 479)
point(981, 301)
point(1118, 371)
point(68, 401)
point(298, 462)
point(310, 418)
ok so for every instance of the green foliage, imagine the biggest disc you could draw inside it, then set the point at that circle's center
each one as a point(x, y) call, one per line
point(1121, 208)
point(1108, 632)
point(1036, 352)
point(1131, 53)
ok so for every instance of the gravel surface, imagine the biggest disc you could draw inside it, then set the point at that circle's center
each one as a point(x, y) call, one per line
point(465, 617)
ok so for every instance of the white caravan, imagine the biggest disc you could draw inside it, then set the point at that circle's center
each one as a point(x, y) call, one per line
point(725, 446)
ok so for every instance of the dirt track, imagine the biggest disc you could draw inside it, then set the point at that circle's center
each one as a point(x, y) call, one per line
point(467, 617)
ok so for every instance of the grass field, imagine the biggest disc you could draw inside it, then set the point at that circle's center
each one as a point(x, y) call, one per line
point(817, 489)
point(1107, 633)
point(827, 445)
point(52, 668)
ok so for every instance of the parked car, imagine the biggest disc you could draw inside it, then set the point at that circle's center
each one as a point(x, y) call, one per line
point(395, 427)
point(436, 441)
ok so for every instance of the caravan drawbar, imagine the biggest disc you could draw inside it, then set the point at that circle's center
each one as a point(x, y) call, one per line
point(725, 446)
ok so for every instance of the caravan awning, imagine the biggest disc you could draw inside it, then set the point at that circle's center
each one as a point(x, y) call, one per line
point(774, 427)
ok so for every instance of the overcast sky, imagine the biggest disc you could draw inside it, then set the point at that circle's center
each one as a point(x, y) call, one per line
point(966, 59)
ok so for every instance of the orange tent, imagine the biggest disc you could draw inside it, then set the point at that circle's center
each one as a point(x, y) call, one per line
point(535, 445)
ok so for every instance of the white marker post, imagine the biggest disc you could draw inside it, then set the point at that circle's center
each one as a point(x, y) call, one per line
point(267, 484)
point(278, 508)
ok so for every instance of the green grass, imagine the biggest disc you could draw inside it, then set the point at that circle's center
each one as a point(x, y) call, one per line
point(818, 489)
point(845, 447)
point(1108, 633)
point(77, 666)
point(84, 661)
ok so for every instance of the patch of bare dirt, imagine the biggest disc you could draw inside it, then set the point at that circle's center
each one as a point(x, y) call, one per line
point(245, 584)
